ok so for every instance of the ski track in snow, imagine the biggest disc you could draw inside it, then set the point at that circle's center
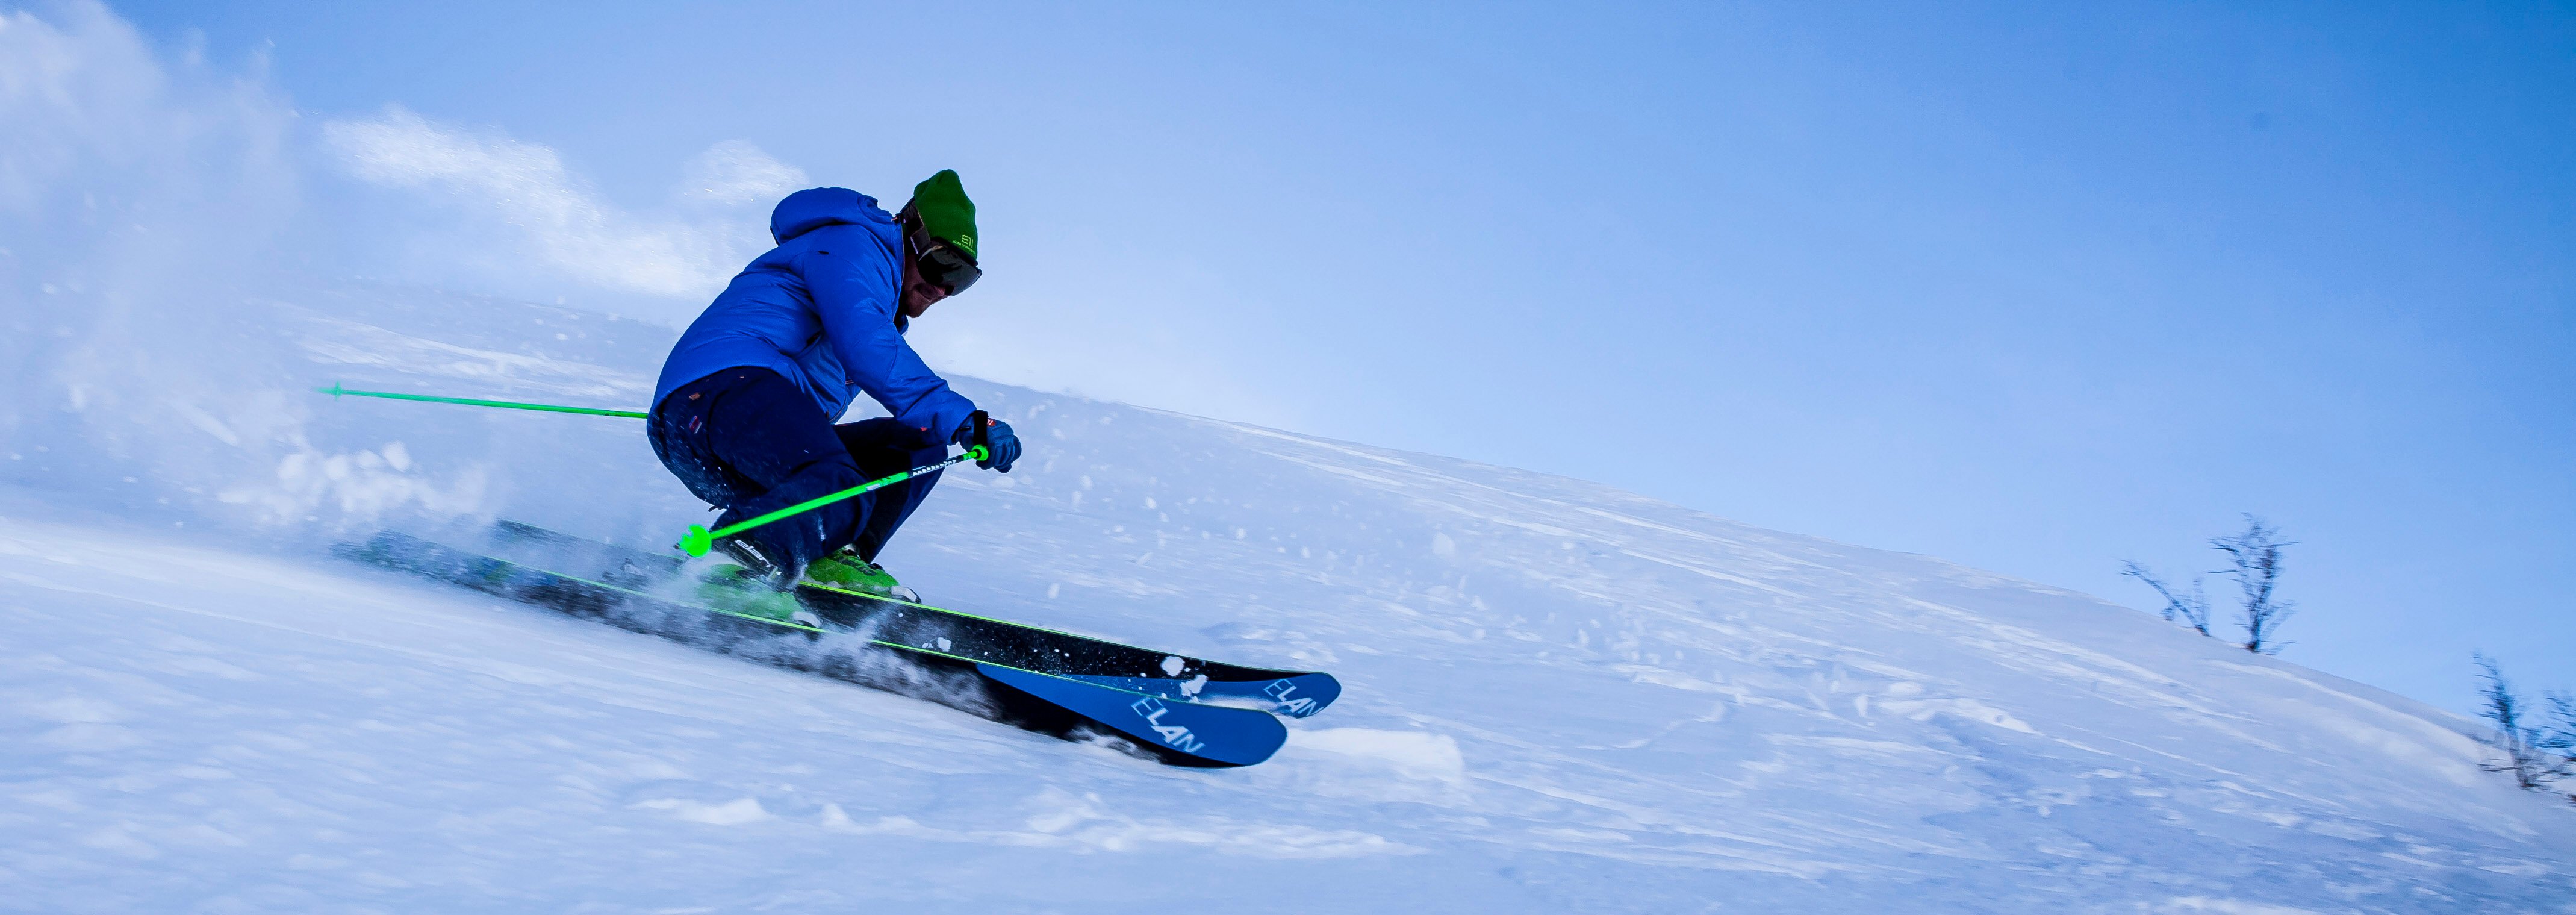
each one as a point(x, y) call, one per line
point(1560, 697)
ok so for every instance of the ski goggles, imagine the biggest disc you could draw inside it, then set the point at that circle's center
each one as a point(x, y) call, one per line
point(939, 264)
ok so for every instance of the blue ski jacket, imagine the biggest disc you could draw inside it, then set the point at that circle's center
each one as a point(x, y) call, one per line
point(819, 310)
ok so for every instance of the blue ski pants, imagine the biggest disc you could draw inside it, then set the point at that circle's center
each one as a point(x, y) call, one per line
point(749, 441)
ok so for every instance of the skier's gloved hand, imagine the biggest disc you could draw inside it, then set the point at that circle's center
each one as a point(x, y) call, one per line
point(1001, 445)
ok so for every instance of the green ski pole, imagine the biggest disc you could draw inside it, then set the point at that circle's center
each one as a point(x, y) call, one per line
point(335, 390)
point(697, 541)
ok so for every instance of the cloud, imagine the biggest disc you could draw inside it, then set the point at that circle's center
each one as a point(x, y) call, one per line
point(736, 173)
point(558, 220)
point(521, 208)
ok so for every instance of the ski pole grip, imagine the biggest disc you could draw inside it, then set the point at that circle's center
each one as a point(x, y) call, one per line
point(979, 453)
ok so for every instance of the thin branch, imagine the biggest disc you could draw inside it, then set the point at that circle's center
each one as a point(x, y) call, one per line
point(2536, 755)
point(2194, 611)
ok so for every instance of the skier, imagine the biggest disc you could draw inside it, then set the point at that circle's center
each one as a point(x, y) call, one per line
point(744, 411)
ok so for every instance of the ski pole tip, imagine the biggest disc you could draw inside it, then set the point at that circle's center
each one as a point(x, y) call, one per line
point(696, 542)
point(334, 390)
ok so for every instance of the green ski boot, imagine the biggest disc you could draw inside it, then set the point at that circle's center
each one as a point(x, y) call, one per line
point(844, 570)
point(734, 589)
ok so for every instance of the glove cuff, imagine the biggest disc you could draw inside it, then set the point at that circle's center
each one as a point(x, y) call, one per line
point(975, 431)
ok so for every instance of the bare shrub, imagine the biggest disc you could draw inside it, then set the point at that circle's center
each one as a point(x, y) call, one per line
point(2254, 562)
point(2535, 753)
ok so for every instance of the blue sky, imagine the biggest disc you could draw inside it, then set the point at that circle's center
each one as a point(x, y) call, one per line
point(2036, 288)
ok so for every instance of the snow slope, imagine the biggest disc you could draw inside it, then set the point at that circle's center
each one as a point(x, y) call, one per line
point(1561, 697)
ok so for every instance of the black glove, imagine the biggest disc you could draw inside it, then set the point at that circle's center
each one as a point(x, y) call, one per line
point(1001, 445)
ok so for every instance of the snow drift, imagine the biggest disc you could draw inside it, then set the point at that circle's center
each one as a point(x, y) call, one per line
point(1561, 696)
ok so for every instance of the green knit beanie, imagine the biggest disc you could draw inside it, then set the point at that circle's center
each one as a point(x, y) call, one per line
point(945, 212)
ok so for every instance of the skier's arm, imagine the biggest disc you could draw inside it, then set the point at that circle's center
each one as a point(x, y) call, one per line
point(854, 282)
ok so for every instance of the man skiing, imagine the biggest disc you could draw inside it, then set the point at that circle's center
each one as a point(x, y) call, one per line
point(744, 413)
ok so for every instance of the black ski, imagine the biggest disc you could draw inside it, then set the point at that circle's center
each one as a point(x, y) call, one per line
point(1160, 673)
point(1177, 733)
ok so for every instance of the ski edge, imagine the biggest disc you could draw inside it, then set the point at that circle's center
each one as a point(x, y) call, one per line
point(1060, 692)
point(1295, 693)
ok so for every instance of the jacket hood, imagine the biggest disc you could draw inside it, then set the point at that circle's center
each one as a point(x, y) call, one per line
point(814, 208)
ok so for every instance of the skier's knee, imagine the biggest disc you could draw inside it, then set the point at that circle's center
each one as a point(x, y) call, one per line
point(831, 474)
